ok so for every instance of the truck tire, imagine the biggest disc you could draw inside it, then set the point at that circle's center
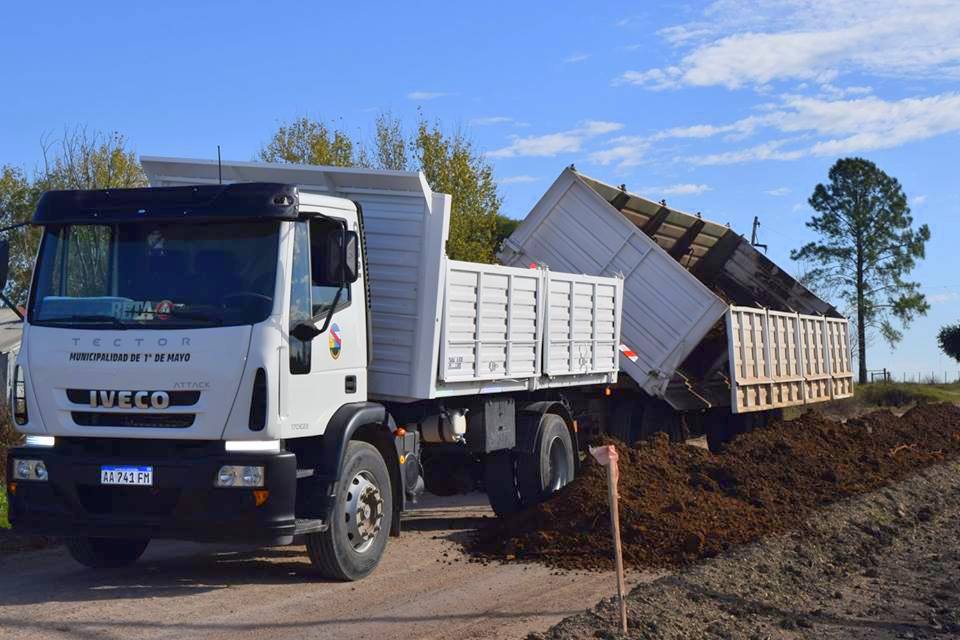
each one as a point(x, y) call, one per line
point(500, 479)
point(106, 553)
point(352, 545)
point(716, 432)
point(551, 465)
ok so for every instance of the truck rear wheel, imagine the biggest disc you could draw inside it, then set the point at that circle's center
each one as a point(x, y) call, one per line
point(106, 553)
point(499, 471)
point(551, 465)
point(352, 545)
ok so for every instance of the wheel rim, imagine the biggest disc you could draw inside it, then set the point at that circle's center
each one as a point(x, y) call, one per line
point(364, 511)
point(560, 472)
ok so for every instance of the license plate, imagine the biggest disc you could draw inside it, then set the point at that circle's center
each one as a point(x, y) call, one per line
point(123, 475)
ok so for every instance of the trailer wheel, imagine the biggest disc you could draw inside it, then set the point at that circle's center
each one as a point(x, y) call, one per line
point(551, 465)
point(352, 545)
point(106, 553)
point(500, 479)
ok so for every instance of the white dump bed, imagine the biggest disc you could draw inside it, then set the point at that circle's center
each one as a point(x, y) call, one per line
point(666, 311)
point(441, 327)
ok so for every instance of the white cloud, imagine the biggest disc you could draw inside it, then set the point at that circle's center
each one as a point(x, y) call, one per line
point(552, 144)
point(837, 127)
point(778, 192)
point(683, 189)
point(941, 298)
point(627, 151)
point(517, 179)
point(755, 42)
point(576, 57)
point(485, 121)
point(772, 150)
point(426, 95)
point(918, 200)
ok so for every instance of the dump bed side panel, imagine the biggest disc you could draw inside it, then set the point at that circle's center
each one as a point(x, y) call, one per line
point(534, 327)
point(666, 311)
point(492, 323)
point(581, 324)
point(780, 359)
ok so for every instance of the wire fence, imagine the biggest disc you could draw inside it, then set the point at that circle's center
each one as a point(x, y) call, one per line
point(914, 377)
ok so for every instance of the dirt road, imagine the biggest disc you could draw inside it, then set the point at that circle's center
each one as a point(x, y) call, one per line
point(424, 588)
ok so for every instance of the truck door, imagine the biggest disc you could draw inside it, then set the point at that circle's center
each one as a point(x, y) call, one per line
point(328, 371)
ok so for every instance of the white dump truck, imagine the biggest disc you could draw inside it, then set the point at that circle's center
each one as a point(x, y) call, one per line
point(255, 352)
point(286, 353)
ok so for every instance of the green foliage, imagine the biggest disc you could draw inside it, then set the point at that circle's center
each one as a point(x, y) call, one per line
point(18, 198)
point(78, 160)
point(450, 163)
point(4, 523)
point(900, 394)
point(306, 141)
point(390, 144)
point(867, 246)
point(949, 341)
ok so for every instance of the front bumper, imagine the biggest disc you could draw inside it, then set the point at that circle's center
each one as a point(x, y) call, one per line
point(182, 504)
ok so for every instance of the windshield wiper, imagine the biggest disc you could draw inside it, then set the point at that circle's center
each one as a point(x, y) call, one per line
point(113, 321)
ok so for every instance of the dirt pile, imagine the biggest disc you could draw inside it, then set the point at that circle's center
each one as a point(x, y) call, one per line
point(680, 503)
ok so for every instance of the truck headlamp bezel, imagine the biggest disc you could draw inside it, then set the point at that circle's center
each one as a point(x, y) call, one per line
point(240, 476)
point(27, 469)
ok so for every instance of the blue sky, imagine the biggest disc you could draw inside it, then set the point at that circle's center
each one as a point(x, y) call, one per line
point(731, 108)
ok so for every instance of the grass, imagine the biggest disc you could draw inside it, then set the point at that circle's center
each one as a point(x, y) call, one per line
point(899, 394)
point(4, 523)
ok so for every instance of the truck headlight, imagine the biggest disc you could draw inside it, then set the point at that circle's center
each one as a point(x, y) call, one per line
point(239, 476)
point(29, 470)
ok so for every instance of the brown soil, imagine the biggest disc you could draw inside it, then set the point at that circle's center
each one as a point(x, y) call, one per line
point(679, 503)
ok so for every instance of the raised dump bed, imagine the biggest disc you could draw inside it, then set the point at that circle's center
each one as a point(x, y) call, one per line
point(708, 321)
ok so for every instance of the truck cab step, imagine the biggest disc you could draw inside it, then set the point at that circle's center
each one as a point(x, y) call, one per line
point(305, 525)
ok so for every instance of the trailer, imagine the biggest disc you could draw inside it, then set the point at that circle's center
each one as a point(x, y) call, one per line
point(710, 325)
point(255, 352)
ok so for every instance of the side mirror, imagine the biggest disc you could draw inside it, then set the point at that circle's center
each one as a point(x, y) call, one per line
point(351, 257)
point(335, 257)
point(4, 263)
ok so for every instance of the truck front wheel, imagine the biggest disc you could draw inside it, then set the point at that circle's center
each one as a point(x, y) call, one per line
point(352, 545)
point(106, 553)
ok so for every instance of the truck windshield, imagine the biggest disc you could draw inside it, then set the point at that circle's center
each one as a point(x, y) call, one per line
point(155, 275)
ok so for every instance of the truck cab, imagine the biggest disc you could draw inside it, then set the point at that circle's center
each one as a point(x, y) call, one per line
point(187, 352)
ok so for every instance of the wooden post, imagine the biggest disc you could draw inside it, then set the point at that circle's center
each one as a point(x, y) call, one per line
point(607, 456)
point(617, 548)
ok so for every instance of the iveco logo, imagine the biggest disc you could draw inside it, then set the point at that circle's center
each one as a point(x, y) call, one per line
point(130, 399)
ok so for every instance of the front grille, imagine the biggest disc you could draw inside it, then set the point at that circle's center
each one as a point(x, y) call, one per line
point(154, 420)
point(177, 398)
